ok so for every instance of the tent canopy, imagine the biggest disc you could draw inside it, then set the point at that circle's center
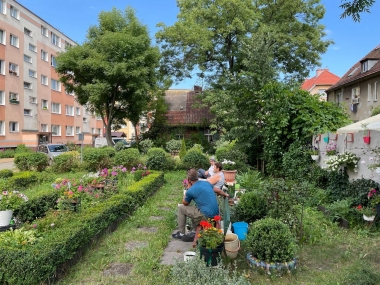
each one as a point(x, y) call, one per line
point(373, 124)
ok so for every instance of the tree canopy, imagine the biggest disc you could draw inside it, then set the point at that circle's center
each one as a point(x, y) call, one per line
point(114, 72)
point(355, 7)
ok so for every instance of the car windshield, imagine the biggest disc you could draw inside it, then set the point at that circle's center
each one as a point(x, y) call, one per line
point(120, 140)
point(57, 148)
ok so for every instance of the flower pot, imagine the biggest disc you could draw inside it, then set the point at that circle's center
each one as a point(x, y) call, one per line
point(232, 245)
point(367, 140)
point(368, 218)
point(5, 217)
point(211, 255)
point(326, 139)
point(314, 157)
point(229, 175)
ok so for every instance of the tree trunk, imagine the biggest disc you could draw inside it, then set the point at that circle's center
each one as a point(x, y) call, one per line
point(108, 134)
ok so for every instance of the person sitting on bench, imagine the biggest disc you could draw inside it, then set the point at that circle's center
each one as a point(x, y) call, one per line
point(217, 180)
point(206, 205)
point(208, 173)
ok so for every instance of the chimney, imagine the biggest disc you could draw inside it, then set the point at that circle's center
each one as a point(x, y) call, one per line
point(197, 89)
point(320, 70)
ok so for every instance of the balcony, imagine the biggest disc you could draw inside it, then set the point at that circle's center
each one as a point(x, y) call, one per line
point(14, 101)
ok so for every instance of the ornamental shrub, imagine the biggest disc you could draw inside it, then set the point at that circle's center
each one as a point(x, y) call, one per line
point(38, 161)
point(358, 190)
point(145, 145)
point(21, 148)
point(182, 151)
point(271, 241)
point(7, 153)
point(159, 159)
point(296, 162)
point(22, 161)
point(173, 145)
point(4, 184)
point(5, 173)
point(195, 159)
point(252, 206)
point(23, 180)
point(127, 157)
point(97, 158)
point(66, 162)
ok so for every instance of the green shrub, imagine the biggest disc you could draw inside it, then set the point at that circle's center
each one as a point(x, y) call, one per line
point(159, 159)
point(319, 176)
point(250, 180)
point(338, 185)
point(182, 151)
point(97, 158)
point(66, 162)
point(127, 157)
point(4, 184)
point(119, 146)
point(23, 180)
point(340, 209)
point(7, 153)
point(271, 241)
point(358, 190)
point(5, 173)
point(38, 161)
point(21, 148)
point(252, 206)
point(22, 161)
point(109, 150)
point(296, 162)
point(235, 155)
point(145, 145)
point(173, 145)
point(195, 159)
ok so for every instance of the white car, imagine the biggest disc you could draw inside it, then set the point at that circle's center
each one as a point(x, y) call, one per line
point(52, 150)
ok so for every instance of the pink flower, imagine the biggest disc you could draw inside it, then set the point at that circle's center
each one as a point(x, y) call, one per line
point(80, 188)
point(123, 169)
point(34, 225)
point(114, 173)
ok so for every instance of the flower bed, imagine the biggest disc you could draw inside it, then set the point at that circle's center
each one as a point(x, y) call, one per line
point(40, 262)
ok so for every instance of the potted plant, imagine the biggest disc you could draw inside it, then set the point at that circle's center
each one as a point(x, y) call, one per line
point(366, 136)
point(331, 149)
point(367, 212)
point(346, 159)
point(211, 241)
point(229, 170)
point(314, 152)
point(374, 198)
point(9, 201)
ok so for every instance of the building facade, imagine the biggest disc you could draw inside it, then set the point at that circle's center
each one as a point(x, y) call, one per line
point(34, 106)
point(318, 84)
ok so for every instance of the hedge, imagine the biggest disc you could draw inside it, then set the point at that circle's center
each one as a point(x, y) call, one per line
point(43, 261)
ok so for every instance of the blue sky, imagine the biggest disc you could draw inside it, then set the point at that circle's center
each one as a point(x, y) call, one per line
point(352, 40)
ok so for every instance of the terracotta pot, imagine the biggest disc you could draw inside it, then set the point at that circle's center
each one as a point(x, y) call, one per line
point(229, 175)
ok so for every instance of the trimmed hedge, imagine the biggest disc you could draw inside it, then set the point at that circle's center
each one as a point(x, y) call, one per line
point(39, 263)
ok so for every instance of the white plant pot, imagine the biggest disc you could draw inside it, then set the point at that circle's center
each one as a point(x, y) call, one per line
point(5, 217)
point(368, 218)
point(315, 157)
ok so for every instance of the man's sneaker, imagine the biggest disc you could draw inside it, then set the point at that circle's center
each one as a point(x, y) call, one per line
point(188, 237)
point(177, 235)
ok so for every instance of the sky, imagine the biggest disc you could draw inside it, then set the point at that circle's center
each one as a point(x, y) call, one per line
point(352, 40)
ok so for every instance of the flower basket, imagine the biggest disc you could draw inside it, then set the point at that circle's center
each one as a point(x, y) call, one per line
point(5, 217)
point(326, 139)
point(315, 157)
point(368, 218)
point(367, 140)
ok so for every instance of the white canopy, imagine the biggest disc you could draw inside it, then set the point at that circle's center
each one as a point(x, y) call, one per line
point(373, 124)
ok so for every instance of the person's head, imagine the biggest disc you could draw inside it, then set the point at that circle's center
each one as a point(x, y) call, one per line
point(212, 160)
point(192, 176)
point(218, 166)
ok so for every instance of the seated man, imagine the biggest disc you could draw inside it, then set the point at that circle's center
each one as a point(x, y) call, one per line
point(217, 180)
point(206, 205)
point(208, 173)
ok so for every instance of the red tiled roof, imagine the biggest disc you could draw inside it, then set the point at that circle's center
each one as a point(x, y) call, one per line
point(323, 77)
point(355, 73)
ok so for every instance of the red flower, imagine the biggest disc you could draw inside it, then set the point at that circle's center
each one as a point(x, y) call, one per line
point(359, 207)
point(205, 224)
point(217, 218)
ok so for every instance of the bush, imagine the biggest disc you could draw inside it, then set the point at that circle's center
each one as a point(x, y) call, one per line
point(252, 206)
point(271, 241)
point(235, 155)
point(195, 159)
point(97, 158)
point(119, 146)
point(358, 190)
point(22, 161)
point(182, 151)
point(338, 185)
point(158, 159)
point(66, 162)
point(7, 153)
point(296, 162)
point(23, 180)
point(145, 145)
point(21, 148)
point(38, 161)
point(5, 173)
point(127, 157)
point(4, 184)
point(173, 145)
point(250, 180)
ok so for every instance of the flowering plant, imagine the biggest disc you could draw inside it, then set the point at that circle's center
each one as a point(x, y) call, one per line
point(367, 211)
point(10, 200)
point(209, 236)
point(331, 149)
point(228, 164)
point(374, 196)
point(108, 173)
point(312, 150)
point(347, 159)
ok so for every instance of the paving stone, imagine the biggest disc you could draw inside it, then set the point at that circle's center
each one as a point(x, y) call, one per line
point(135, 245)
point(148, 230)
point(118, 269)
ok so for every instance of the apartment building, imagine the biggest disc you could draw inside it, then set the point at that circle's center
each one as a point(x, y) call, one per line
point(34, 106)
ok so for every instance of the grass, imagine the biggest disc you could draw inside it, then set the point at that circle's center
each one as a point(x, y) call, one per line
point(334, 257)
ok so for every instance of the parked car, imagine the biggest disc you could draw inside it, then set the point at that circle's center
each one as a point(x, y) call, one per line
point(52, 150)
point(99, 142)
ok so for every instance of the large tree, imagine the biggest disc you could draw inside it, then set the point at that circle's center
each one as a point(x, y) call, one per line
point(355, 7)
point(114, 72)
point(209, 35)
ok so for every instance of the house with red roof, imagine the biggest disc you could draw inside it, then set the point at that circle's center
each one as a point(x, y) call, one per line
point(318, 84)
point(358, 90)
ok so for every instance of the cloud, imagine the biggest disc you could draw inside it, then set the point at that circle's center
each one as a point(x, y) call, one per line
point(328, 32)
point(92, 7)
point(335, 48)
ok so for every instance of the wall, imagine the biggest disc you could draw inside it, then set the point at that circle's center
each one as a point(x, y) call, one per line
point(357, 147)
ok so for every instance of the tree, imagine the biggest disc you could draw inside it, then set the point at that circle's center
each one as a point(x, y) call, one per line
point(114, 72)
point(355, 7)
point(209, 36)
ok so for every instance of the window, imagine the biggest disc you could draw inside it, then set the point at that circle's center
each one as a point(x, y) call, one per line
point(44, 128)
point(32, 100)
point(27, 112)
point(77, 130)
point(32, 73)
point(13, 97)
point(44, 55)
point(13, 68)
point(2, 126)
point(27, 32)
point(13, 127)
point(44, 104)
point(84, 120)
point(2, 37)
point(56, 130)
point(27, 85)
point(77, 111)
point(369, 96)
point(375, 92)
point(14, 41)
point(2, 67)
point(2, 98)
point(44, 80)
point(27, 58)
point(338, 98)
point(14, 12)
point(2, 7)
point(92, 130)
point(55, 85)
point(365, 66)
point(67, 45)
point(71, 93)
point(69, 131)
point(69, 110)
point(44, 31)
point(53, 61)
point(99, 131)
point(355, 92)
point(56, 108)
point(55, 40)
point(32, 48)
